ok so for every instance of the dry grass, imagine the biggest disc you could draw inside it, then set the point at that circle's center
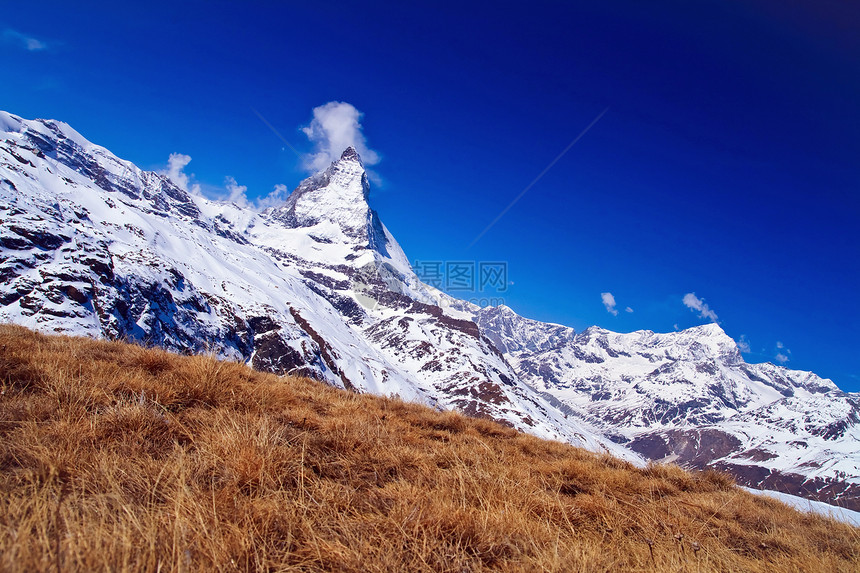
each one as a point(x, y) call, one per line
point(114, 457)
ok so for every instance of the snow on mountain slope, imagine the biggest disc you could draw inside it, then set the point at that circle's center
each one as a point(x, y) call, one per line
point(689, 397)
point(810, 506)
point(93, 245)
point(650, 380)
point(512, 333)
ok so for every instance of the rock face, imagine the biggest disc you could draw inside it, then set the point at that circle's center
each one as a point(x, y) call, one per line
point(92, 245)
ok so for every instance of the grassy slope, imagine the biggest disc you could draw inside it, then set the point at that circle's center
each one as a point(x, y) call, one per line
point(115, 457)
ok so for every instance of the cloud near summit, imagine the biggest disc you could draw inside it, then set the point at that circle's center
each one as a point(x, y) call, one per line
point(336, 126)
point(608, 301)
point(695, 303)
point(231, 191)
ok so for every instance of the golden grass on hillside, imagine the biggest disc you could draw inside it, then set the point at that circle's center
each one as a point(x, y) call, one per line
point(116, 457)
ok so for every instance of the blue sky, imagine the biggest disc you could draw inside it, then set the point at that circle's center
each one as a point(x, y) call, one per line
point(727, 164)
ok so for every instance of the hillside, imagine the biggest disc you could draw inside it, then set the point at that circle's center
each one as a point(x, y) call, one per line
point(115, 457)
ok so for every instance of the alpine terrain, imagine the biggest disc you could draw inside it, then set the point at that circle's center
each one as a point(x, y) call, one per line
point(92, 245)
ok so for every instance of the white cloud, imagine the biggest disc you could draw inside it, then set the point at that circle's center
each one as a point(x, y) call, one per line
point(29, 43)
point(783, 354)
point(609, 303)
point(232, 191)
point(278, 195)
point(336, 126)
point(693, 302)
point(176, 164)
point(744, 344)
point(628, 309)
point(236, 193)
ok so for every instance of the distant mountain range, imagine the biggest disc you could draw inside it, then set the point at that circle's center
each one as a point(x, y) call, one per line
point(90, 244)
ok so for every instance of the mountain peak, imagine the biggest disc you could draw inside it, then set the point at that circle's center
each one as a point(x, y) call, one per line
point(335, 204)
point(350, 154)
point(709, 329)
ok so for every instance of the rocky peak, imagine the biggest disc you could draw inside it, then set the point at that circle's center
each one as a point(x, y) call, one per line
point(338, 194)
point(350, 154)
point(332, 206)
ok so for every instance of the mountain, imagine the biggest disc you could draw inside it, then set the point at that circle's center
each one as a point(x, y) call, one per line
point(319, 287)
point(689, 397)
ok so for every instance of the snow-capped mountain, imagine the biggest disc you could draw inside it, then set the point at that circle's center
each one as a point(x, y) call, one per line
point(689, 397)
point(92, 245)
